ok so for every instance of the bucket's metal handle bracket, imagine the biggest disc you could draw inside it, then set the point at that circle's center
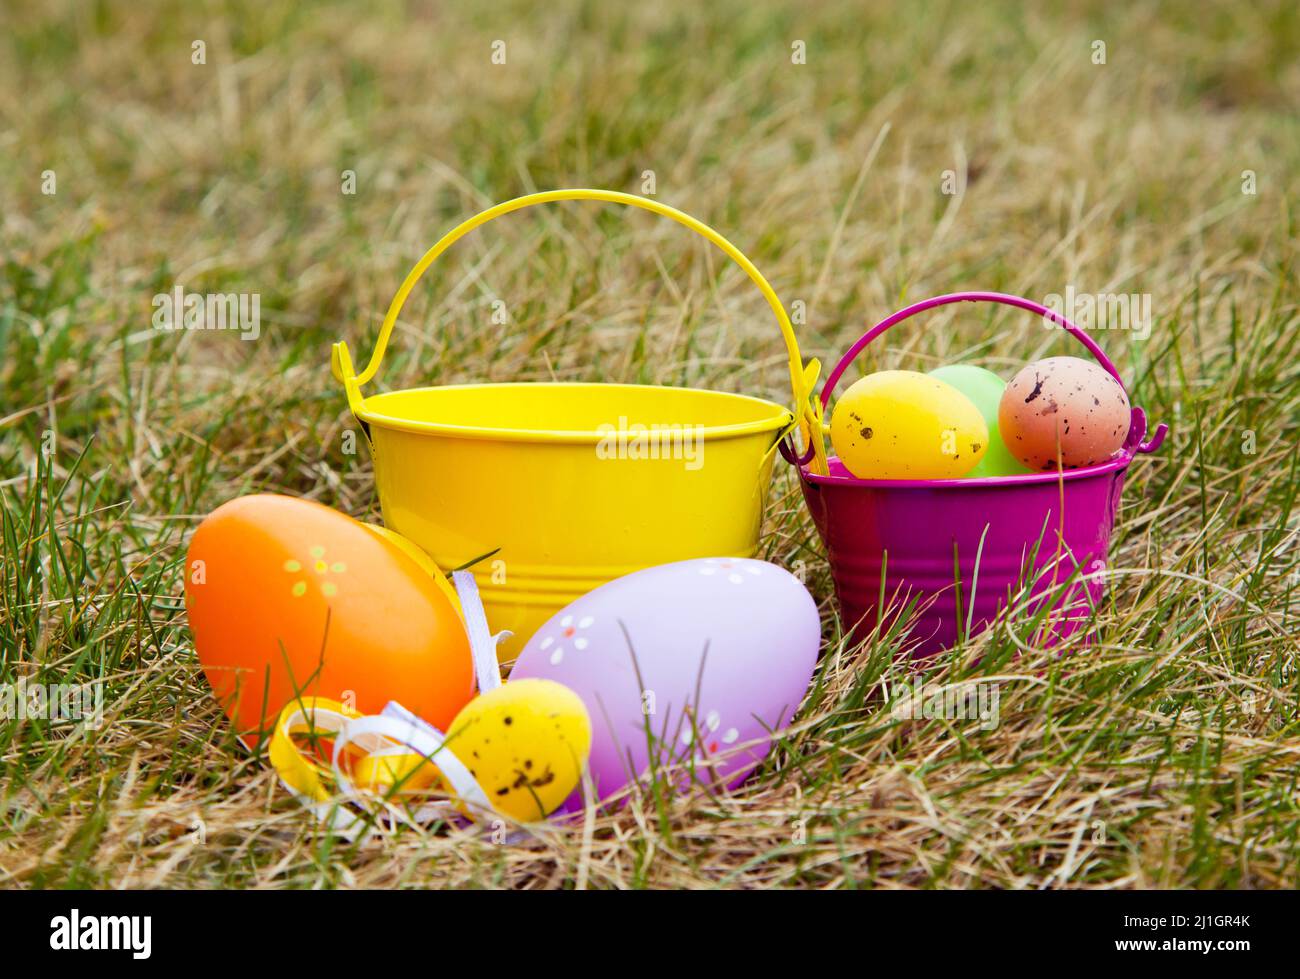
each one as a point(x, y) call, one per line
point(1155, 441)
point(343, 371)
point(808, 423)
point(1136, 441)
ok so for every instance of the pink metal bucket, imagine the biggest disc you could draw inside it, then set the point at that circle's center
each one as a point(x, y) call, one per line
point(962, 549)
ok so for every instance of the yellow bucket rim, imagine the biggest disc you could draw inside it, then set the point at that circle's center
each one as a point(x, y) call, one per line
point(781, 418)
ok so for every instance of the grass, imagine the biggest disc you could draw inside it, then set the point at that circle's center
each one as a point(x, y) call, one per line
point(1165, 754)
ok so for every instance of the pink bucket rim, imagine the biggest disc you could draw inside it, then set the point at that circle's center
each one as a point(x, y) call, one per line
point(1133, 444)
point(1117, 464)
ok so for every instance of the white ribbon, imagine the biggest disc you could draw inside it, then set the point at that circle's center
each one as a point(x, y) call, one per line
point(398, 724)
point(482, 644)
point(332, 812)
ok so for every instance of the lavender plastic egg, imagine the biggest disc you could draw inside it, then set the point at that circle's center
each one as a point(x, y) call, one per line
point(709, 655)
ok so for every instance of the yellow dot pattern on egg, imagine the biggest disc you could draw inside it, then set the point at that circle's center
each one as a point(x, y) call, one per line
point(321, 567)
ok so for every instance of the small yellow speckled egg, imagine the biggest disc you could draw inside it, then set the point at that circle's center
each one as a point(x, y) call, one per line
point(526, 743)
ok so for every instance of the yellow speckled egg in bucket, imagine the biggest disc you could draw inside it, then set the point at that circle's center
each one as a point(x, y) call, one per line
point(907, 425)
point(526, 743)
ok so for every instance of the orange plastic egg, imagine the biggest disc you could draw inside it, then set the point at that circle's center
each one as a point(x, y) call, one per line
point(289, 598)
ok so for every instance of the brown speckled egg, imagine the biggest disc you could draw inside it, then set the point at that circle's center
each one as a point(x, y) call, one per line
point(1063, 409)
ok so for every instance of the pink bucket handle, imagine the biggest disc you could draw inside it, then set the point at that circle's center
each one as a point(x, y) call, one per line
point(1137, 428)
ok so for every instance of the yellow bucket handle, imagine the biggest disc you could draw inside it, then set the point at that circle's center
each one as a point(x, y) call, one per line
point(802, 380)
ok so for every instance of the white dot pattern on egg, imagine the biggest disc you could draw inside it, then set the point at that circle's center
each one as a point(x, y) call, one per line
point(733, 569)
point(565, 636)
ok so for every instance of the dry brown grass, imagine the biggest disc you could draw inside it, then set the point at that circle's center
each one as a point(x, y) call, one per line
point(1165, 755)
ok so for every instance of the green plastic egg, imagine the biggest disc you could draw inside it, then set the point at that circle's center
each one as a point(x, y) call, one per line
point(984, 388)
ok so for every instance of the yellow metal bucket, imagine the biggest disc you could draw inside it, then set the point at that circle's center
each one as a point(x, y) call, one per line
point(567, 486)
